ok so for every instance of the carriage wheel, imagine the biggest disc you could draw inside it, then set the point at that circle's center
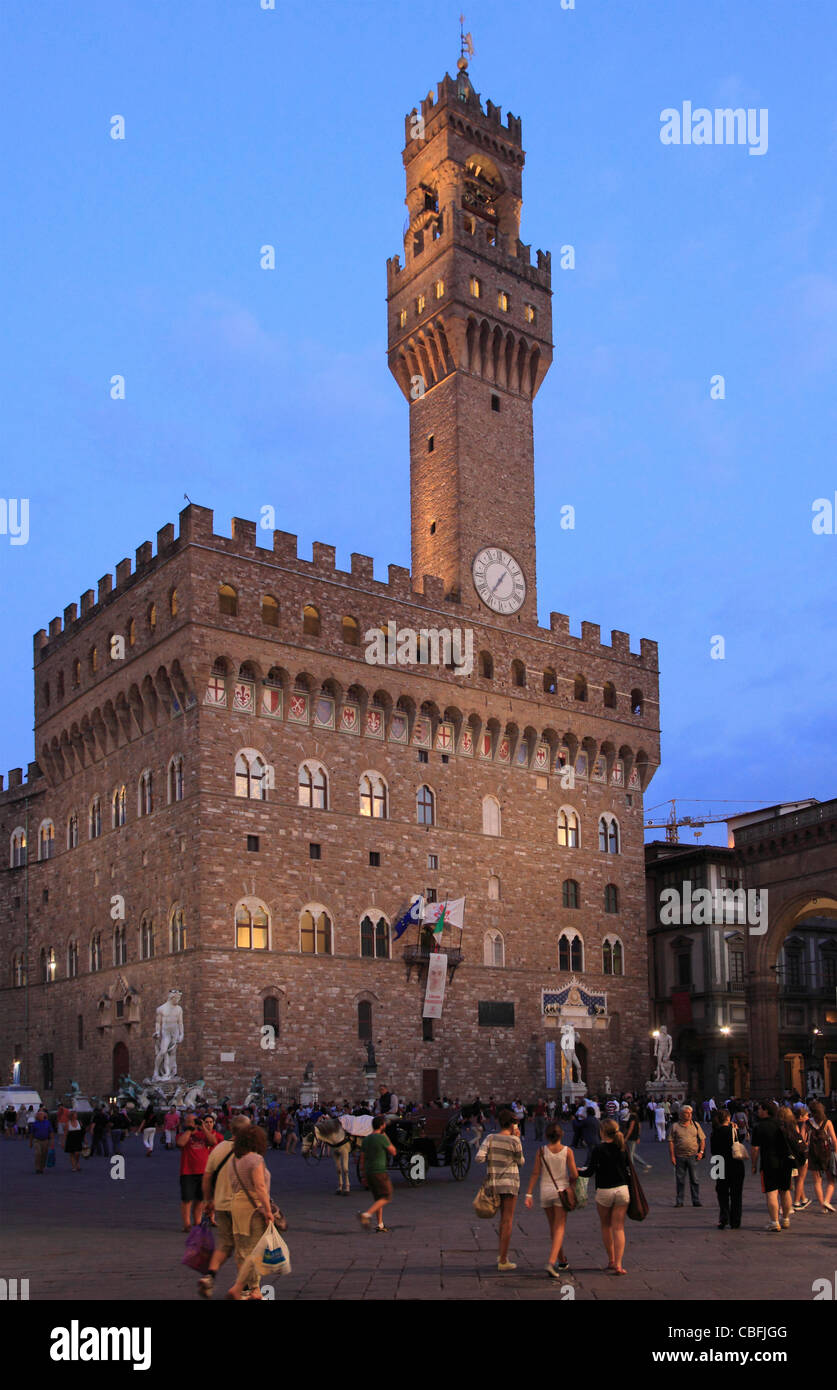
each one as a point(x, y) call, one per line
point(404, 1159)
point(460, 1158)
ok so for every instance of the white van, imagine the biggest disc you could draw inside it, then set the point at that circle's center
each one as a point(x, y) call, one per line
point(20, 1096)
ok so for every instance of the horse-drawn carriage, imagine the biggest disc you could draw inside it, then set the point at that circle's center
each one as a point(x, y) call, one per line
point(427, 1139)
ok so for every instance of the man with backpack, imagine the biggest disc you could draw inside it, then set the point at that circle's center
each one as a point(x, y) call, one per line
point(217, 1195)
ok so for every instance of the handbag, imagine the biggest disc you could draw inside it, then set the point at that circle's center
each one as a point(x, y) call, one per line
point(566, 1194)
point(738, 1149)
point(200, 1244)
point(580, 1190)
point(487, 1203)
point(638, 1205)
point(279, 1219)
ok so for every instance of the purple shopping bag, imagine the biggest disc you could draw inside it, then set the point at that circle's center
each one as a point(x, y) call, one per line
point(200, 1244)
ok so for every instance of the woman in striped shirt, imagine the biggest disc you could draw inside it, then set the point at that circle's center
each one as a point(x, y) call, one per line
point(503, 1155)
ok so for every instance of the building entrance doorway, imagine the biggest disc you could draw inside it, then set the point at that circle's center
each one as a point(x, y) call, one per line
point(429, 1085)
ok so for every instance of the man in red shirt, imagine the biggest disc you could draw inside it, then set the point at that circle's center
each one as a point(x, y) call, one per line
point(195, 1143)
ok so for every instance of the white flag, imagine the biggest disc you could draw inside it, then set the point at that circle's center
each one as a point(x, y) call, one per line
point(453, 909)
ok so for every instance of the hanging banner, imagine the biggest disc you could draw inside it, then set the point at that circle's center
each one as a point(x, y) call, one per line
point(550, 1066)
point(437, 973)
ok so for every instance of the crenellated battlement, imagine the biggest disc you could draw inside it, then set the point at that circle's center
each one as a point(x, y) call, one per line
point(197, 528)
point(459, 93)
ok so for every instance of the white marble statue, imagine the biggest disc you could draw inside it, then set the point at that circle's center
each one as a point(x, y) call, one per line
point(664, 1043)
point(168, 1032)
point(568, 1041)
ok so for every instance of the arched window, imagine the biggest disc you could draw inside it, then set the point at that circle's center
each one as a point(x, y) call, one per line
point(72, 830)
point(152, 616)
point(176, 778)
point(119, 807)
point(568, 828)
point(374, 936)
point(364, 1020)
point(518, 673)
point(491, 820)
point(42, 966)
point(270, 1014)
point(270, 611)
point(250, 775)
point(313, 786)
point(570, 952)
point(609, 695)
point(608, 834)
point(228, 601)
point(147, 941)
point(173, 603)
point(18, 970)
point(46, 693)
point(580, 688)
point(636, 702)
point(47, 965)
point(425, 806)
point(95, 818)
point(493, 948)
point(570, 896)
point(96, 951)
point(611, 898)
point(315, 932)
point(145, 794)
point(177, 929)
point(612, 956)
point(132, 632)
point(486, 666)
point(493, 888)
point(251, 926)
point(59, 694)
point(311, 620)
point(72, 959)
point(94, 660)
point(76, 674)
point(550, 681)
point(18, 848)
point(46, 839)
point(351, 632)
point(120, 946)
point(373, 796)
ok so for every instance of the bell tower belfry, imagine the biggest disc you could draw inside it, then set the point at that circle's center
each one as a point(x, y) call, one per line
point(470, 341)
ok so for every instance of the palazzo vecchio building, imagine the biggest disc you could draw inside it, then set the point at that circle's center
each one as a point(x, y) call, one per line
point(231, 800)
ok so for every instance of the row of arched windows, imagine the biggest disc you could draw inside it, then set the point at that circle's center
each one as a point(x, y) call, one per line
point(118, 814)
point(571, 953)
point(96, 949)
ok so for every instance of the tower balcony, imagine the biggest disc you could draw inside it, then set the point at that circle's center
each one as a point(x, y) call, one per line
point(418, 957)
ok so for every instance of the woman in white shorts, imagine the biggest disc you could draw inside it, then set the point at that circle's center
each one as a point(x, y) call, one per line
point(555, 1166)
point(609, 1166)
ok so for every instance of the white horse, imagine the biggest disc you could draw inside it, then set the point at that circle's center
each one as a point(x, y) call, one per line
point(340, 1137)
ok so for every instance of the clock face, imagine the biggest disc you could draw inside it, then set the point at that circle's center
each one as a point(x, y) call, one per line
point(498, 579)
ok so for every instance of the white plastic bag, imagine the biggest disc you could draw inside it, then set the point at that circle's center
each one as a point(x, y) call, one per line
point(271, 1256)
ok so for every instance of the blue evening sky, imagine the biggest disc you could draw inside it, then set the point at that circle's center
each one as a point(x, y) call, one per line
point(246, 387)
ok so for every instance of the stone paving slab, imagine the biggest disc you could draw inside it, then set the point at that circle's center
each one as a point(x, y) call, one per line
point(89, 1236)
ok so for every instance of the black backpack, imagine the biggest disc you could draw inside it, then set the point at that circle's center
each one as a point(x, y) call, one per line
point(797, 1148)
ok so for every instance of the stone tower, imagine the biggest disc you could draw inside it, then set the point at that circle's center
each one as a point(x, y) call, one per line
point(470, 342)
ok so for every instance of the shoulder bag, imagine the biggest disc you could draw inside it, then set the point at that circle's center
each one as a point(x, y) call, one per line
point(487, 1202)
point(638, 1204)
point(279, 1220)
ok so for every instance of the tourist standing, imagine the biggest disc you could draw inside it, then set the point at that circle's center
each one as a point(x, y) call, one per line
point(801, 1120)
point(519, 1113)
point(149, 1129)
point(555, 1166)
point(503, 1154)
point(660, 1121)
point(632, 1137)
point(729, 1185)
point(590, 1133)
point(73, 1140)
point(217, 1193)
point(252, 1209)
point(686, 1146)
point(171, 1124)
point(770, 1146)
point(376, 1147)
point(195, 1144)
point(540, 1120)
point(609, 1166)
point(61, 1120)
point(42, 1138)
point(822, 1155)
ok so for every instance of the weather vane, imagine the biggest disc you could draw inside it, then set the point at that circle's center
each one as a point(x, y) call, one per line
point(466, 44)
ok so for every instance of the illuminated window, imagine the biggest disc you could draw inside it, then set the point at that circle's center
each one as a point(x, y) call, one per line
point(420, 303)
point(177, 929)
point(251, 927)
point(145, 798)
point(228, 600)
point(152, 616)
point(351, 632)
point(373, 796)
point(503, 301)
point(315, 932)
point(173, 603)
point(176, 779)
point(270, 611)
point(250, 775)
point(119, 807)
point(568, 836)
point(612, 963)
point(529, 313)
point(46, 840)
point(439, 289)
point(402, 319)
point(311, 620)
point(475, 287)
point(95, 819)
point(313, 786)
point(72, 830)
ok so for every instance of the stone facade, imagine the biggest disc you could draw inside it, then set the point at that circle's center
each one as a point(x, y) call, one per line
point(217, 653)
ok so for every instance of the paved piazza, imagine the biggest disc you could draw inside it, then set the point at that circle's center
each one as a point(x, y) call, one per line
point(94, 1237)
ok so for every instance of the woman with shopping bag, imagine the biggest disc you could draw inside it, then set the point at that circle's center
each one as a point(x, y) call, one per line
point(252, 1212)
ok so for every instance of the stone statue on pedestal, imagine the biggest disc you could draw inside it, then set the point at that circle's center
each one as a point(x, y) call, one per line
point(569, 1037)
point(664, 1043)
point(370, 1054)
point(168, 1032)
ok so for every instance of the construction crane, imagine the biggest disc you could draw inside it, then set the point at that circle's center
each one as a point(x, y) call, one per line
point(673, 823)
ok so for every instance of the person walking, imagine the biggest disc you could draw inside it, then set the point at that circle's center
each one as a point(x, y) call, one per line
point(729, 1185)
point(171, 1124)
point(770, 1148)
point(216, 1190)
point(503, 1155)
point(43, 1139)
point(822, 1155)
point(590, 1133)
point(540, 1120)
point(801, 1120)
point(291, 1136)
point(660, 1121)
point(73, 1140)
point(61, 1120)
point(519, 1113)
point(251, 1208)
point(632, 1136)
point(195, 1145)
point(609, 1166)
point(376, 1148)
point(149, 1129)
point(686, 1146)
point(555, 1166)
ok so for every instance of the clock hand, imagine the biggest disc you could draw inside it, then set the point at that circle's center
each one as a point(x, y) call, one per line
point(499, 582)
